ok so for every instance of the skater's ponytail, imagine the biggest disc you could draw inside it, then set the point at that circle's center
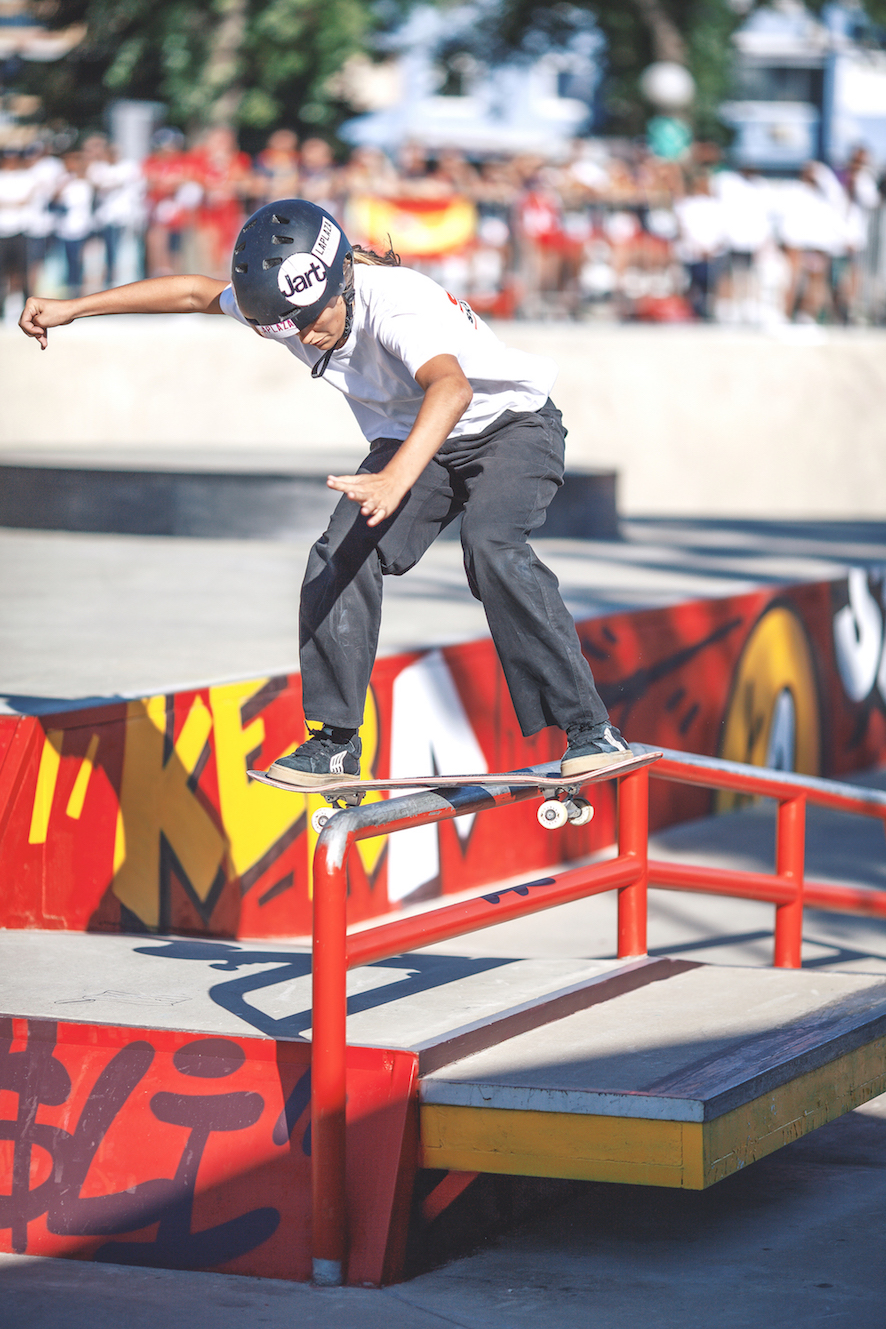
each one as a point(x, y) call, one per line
point(371, 259)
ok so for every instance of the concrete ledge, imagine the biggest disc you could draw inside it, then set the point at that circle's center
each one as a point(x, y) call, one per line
point(236, 504)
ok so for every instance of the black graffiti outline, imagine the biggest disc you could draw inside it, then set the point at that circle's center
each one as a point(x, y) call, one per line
point(38, 1078)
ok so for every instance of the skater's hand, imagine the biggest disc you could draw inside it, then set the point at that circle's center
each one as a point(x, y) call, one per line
point(40, 314)
point(378, 495)
point(447, 395)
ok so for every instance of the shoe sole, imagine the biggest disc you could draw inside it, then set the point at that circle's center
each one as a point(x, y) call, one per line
point(593, 762)
point(299, 778)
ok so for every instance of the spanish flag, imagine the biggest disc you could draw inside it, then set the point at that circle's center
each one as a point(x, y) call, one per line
point(418, 227)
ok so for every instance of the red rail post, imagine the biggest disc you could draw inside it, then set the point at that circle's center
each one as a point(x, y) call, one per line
point(633, 840)
point(790, 851)
point(328, 1054)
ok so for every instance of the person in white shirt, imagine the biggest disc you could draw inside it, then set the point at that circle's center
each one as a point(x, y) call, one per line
point(75, 200)
point(119, 194)
point(812, 228)
point(748, 230)
point(457, 423)
point(16, 187)
point(46, 172)
point(702, 243)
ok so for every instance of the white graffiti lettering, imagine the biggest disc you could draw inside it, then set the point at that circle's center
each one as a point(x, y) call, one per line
point(858, 639)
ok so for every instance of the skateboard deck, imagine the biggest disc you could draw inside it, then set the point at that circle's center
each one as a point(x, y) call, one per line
point(541, 780)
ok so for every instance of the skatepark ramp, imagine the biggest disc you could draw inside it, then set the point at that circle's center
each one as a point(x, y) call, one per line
point(265, 1109)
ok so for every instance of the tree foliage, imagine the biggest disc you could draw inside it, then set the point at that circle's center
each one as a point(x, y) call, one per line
point(697, 33)
point(252, 63)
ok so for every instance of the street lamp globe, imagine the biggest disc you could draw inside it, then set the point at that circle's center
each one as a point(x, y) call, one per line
point(667, 85)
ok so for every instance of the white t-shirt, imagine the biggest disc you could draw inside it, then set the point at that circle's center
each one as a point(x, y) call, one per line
point(702, 227)
point(745, 211)
point(809, 220)
point(119, 188)
point(15, 192)
point(401, 321)
point(76, 221)
point(46, 174)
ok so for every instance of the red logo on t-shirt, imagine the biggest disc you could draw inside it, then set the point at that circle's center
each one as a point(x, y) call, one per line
point(465, 309)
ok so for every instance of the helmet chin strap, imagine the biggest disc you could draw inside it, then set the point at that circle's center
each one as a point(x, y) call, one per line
point(322, 364)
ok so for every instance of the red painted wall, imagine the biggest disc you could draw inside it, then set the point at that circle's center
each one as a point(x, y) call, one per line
point(179, 1151)
point(140, 815)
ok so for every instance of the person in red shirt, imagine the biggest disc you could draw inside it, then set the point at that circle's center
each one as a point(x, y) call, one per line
point(172, 195)
point(225, 175)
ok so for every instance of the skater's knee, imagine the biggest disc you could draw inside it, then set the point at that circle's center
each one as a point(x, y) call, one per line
point(487, 544)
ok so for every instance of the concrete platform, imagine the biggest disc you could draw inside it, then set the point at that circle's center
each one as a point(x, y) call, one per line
point(414, 1002)
point(677, 1083)
point(661, 1072)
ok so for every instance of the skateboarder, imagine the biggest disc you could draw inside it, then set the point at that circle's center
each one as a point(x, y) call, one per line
point(457, 423)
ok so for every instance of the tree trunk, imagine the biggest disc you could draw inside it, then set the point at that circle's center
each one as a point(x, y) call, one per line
point(667, 40)
point(222, 70)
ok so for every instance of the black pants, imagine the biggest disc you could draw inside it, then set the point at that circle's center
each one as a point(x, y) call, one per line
point(502, 481)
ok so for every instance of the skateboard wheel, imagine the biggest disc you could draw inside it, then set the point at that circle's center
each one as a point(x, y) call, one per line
point(552, 814)
point(320, 817)
point(583, 813)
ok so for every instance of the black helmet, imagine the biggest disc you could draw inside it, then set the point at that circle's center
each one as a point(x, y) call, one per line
point(288, 264)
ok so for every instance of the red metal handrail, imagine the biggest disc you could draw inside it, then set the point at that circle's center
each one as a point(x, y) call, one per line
point(334, 952)
point(630, 873)
point(792, 792)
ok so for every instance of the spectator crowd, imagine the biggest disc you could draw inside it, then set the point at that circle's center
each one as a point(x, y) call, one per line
point(611, 231)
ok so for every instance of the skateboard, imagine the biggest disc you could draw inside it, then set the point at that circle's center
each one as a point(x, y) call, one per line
point(561, 804)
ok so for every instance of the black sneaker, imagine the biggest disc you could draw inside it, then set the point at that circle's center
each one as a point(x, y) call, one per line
point(599, 745)
point(322, 757)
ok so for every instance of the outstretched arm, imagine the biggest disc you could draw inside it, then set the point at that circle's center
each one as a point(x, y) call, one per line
point(447, 396)
point(156, 295)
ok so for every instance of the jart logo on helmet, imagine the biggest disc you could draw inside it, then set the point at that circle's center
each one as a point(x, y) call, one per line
point(302, 279)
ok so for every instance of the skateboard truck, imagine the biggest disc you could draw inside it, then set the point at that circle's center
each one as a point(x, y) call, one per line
point(337, 803)
point(561, 805)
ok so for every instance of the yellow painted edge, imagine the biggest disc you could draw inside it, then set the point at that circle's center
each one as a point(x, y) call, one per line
point(649, 1152)
point(557, 1144)
point(766, 1123)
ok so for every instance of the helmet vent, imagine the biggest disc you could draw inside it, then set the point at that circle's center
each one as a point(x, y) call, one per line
point(277, 220)
point(241, 267)
point(239, 249)
point(282, 240)
point(271, 263)
point(248, 225)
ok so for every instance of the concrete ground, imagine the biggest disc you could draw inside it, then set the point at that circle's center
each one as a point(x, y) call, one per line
point(88, 616)
point(794, 1240)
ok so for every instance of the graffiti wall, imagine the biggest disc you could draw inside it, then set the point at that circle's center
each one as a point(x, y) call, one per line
point(162, 1149)
point(141, 816)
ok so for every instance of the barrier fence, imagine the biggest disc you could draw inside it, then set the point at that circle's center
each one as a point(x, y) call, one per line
point(630, 872)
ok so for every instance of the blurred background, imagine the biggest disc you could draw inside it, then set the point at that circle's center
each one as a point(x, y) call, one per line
point(653, 161)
